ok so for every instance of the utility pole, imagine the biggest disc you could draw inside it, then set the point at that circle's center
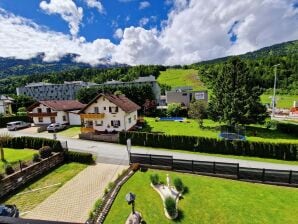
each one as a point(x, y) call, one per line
point(274, 90)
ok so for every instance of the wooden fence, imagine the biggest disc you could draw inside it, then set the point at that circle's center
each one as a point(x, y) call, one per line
point(227, 170)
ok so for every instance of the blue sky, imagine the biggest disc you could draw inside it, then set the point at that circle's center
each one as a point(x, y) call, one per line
point(117, 14)
point(135, 32)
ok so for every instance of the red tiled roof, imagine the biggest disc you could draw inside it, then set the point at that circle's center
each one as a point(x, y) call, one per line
point(61, 105)
point(119, 100)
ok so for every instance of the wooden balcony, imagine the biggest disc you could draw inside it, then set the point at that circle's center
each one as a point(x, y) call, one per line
point(43, 114)
point(92, 116)
point(87, 130)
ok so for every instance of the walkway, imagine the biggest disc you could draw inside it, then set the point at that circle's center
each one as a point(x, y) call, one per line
point(73, 201)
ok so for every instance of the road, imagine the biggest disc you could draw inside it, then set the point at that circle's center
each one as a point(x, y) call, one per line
point(117, 154)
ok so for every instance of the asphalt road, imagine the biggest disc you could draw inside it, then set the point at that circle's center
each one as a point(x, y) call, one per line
point(117, 154)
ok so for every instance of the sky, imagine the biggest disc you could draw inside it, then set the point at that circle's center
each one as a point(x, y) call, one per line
point(135, 32)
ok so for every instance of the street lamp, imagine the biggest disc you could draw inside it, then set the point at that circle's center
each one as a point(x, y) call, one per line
point(274, 90)
point(130, 198)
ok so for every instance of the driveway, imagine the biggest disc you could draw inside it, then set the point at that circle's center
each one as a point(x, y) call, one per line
point(74, 200)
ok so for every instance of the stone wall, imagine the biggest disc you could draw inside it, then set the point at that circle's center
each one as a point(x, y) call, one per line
point(113, 138)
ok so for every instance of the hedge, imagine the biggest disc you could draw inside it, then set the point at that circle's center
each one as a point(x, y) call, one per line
point(80, 157)
point(288, 128)
point(282, 151)
point(33, 143)
point(5, 120)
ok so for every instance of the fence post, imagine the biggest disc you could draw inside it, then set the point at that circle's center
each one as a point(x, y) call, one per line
point(214, 164)
point(238, 171)
point(263, 175)
point(290, 177)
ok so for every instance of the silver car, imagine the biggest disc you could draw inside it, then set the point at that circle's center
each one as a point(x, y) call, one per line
point(15, 125)
point(55, 127)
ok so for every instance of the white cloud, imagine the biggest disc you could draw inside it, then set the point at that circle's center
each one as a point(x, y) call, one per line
point(68, 10)
point(118, 33)
point(144, 21)
point(95, 4)
point(144, 4)
point(195, 30)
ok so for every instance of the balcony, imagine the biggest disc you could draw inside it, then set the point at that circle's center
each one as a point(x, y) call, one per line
point(43, 114)
point(87, 130)
point(92, 116)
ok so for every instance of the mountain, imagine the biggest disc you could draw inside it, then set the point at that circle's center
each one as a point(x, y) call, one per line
point(36, 65)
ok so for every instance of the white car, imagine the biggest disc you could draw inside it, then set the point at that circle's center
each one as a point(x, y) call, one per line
point(15, 125)
point(55, 127)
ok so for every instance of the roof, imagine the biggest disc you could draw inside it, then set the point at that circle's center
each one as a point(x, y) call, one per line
point(6, 98)
point(60, 105)
point(119, 100)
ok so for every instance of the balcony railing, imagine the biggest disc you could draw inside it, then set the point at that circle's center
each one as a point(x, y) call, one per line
point(92, 116)
point(87, 130)
point(43, 114)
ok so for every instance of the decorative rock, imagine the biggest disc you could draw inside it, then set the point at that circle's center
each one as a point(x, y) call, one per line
point(134, 218)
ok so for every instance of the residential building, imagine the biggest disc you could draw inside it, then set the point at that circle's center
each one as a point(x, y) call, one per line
point(56, 111)
point(108, 113)
point(5, 105)
point(184, 97)
point(148, 80)
point(50, 91)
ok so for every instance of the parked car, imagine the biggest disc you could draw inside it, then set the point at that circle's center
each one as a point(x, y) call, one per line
point(15, 125)
point(9, 211)
point(56, 127)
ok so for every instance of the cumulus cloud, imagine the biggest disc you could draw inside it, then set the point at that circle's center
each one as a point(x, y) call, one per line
point(68, 10)
point(95, 4)
point(195, 30)
point(144, 4)
point(118, 33)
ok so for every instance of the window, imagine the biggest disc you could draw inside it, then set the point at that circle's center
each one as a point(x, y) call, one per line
point(40, 119)
point(99, 123)
point(113, 110)
point(96, 110)
point(64, 118)
point(48, 110)
point(89, 124)
point(115, 123)
point(104, 108)
point(129, 120)
point(53, 120)
point(39, 110)
point(135, 117)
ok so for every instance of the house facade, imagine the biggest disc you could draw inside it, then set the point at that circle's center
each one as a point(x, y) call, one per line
point(5, 105)
point(109, 113)
point(185, 97)
point(56, 111)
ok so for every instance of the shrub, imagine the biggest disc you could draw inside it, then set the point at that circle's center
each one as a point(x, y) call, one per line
point(45, 152)
point(111, 185)
point(179, 185)
point(154, 179)
point(80, 157)
point(135, 166)
point(170, 205)
point(36, 158)
point(1, 176)
point(287, 128)
point(8, 169)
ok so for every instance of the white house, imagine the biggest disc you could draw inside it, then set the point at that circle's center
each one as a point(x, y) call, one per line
point(56, 111)
point(107, 113)
point(5, 105)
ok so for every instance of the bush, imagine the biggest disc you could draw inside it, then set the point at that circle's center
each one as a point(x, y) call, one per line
point(135, 166)
point(36, 158)
point(45, 152)
point(80, 157)
point(170, 205)
point(8, 169)
point(1, 176)
point(288, 128)
point(179, 185)
point(154, 179)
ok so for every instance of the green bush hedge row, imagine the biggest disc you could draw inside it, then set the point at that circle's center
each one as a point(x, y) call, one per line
point(5, 120)
point(283, 151)
point(80, 157)
point(33, 143)
point(288, 128)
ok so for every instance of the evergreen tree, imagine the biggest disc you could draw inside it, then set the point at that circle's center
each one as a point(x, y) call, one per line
point(236, 97)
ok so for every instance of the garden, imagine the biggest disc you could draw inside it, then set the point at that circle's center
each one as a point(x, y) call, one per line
point(207, 200)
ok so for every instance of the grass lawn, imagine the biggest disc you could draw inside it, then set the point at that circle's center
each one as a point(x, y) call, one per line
point(211, 130)
point(209, 200)
point(181, 77)
point(70, 132)
point(13, 156)
point(283, 101)
point(26, 202)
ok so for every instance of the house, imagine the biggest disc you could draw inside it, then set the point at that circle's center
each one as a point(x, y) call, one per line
point(185, 96)
point(56, 111)
point(108, 113)
point(5, 105)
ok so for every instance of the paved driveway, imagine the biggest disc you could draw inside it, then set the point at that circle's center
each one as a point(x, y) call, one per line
point(73, 201)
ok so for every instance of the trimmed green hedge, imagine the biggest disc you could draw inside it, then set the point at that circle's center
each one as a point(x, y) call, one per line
point(283, 151)
point(288, 128)
point(79, 157)
point(5, 120)
point(33, 143)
